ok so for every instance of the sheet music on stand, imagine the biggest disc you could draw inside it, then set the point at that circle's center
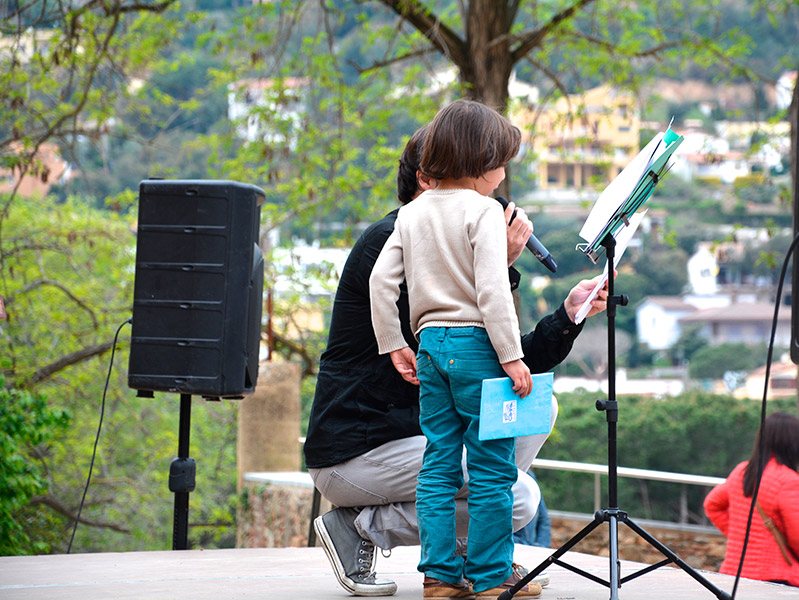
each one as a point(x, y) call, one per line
point(627, 192)
point(622, 241)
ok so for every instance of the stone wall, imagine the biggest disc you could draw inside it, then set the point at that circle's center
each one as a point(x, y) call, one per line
point(701, 550)
point(278, 515)
point(275, 515)
point(269, 422)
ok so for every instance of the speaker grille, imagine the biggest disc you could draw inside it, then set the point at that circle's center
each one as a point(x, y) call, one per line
point(198, 288)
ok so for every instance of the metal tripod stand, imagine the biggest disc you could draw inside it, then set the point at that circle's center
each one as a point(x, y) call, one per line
point(613, 515)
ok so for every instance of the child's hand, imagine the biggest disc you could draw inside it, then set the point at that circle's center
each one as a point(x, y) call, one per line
point(520, 374)
point(405, 362)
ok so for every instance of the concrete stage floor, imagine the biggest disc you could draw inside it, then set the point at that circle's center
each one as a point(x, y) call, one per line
point(304, 573)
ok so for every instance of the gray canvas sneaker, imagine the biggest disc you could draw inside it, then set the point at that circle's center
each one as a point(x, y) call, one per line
point(352, 557)
point(541, 579)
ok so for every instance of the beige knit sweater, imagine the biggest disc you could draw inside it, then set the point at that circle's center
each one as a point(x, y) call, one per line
point(451, 247)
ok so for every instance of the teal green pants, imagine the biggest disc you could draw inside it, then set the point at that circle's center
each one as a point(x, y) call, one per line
point(451, 365)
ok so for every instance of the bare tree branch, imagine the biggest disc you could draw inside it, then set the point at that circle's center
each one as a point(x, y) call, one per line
point(41, 282)
point(391, 61)
point(649, 52)
point(553, 77)
point(444, 39)
point(70, 359)
point(528, 40)
point(61, 509)
point(295, 348)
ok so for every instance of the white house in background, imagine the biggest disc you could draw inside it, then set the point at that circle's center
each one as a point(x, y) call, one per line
point(657, 388)
point(267, 109)
point(702, 270)
point(702, 154)
point(657, 320)
point(785, 85)
point(308, 270)
point(774, 144)
point(743, 322)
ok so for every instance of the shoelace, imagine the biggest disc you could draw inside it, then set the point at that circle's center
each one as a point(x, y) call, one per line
point(365, 565)
point(520, 571)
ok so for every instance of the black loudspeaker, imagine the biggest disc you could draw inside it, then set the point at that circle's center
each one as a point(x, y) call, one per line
point(198, 289)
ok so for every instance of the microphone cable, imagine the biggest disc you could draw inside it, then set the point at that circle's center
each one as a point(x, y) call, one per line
point(97, 437)
point(761, 442)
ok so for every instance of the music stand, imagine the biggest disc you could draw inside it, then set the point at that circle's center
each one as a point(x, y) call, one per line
point(613, 515)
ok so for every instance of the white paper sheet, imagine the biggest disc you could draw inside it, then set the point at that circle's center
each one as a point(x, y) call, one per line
point(619, 190)
point(622, 241)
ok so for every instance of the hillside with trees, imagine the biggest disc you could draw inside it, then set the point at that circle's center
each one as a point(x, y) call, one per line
point(128, 90)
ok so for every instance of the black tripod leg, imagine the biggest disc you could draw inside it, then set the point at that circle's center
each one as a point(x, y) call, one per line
point(613, 537)
point(675, 559)
point(599, 518)
point(612, 514)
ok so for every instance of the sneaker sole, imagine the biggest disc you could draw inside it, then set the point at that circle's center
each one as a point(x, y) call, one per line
point(357, 589)
point(542, 579)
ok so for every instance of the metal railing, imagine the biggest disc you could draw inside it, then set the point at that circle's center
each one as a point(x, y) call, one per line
point(684, 479)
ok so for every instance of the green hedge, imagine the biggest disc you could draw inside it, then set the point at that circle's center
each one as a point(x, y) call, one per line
point(695, 433)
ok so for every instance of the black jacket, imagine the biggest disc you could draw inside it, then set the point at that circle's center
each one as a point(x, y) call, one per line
point(361, 401)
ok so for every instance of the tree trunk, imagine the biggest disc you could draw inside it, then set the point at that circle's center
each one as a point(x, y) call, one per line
point(489, 66)
point(484, 58)
point(487, 73)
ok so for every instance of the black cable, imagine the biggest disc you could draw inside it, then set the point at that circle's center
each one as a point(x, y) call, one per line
point(761, 443)
point(97, 438)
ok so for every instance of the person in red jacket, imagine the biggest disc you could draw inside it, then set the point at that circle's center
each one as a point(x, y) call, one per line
point(727, 506)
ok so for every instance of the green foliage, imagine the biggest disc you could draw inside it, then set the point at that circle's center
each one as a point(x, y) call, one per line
point(688, 344)
point(664, 268)
point(693, 433)
point(335, 158)
point(711, 362)
point(744, 181)
point(753, 189)
point(67, 277)
point(27, 427)
point(708, 180)
point(66, 280)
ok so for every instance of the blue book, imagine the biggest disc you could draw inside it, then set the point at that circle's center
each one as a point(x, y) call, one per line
point(504, 414)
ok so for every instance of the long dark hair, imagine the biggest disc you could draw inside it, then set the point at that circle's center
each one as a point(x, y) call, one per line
point(407, 185)
point(781, 440)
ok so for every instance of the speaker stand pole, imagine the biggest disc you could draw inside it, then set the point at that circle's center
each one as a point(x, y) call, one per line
point(182, 472)
point(613, 515)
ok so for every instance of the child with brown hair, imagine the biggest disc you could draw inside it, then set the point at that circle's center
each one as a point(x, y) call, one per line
point(450, 245)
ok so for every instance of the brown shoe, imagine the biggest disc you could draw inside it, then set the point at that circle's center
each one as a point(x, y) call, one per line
point(441, 590)
point(531, 590)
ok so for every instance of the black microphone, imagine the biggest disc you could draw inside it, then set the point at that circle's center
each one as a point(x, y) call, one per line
point(533, 245)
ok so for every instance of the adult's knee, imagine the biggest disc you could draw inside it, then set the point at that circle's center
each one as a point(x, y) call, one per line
point(526, 497)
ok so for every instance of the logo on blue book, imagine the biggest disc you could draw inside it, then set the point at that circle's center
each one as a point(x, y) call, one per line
point(509, 412)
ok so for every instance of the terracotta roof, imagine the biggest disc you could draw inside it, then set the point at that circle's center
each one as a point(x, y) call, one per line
point(742, 312)
point(777, 368)
point(670, 303)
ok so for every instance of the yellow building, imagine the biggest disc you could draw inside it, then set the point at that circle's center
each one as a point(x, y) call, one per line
point(582, 139)
point(781, 383)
